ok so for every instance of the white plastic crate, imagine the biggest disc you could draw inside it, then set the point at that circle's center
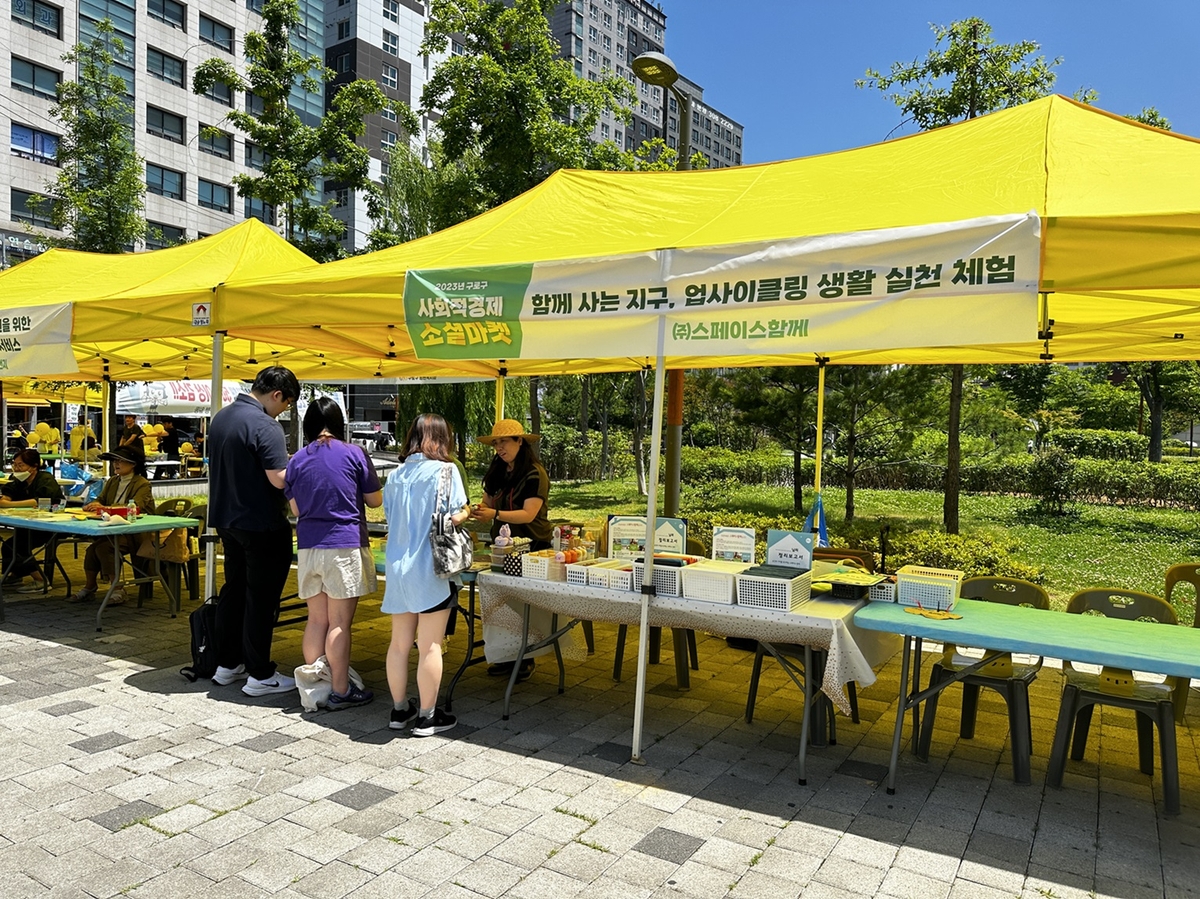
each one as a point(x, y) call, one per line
point(884, 591)
point(712, 580)
point(612, 574)
point(928, 588)
point(667, 579)
point(774, 593)
point(535, 567)
point(577, 572)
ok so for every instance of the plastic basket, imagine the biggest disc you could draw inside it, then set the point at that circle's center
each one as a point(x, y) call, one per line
point(928, 588)
point(613, 574)
point(667, 578)
point(556, 571)
point(884, 591)
point(535, 567)
point(712, 580)
point(577, 572)
point(774, 593)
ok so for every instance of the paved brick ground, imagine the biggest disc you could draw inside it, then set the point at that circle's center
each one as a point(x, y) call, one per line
point(118, 778)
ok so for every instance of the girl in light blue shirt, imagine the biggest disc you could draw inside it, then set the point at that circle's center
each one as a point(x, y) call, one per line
point(419, 601)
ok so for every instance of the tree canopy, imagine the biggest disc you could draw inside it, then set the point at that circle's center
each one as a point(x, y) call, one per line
point(509, 97)
point(99, 193)
point(297, 158)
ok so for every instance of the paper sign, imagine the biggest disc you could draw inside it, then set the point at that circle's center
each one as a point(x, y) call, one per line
point(733, 544)
point(201, 315)
point(792, 549)
point(627, 536)
point(36, 339)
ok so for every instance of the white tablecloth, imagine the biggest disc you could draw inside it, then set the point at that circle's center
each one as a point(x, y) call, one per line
point(852, 652)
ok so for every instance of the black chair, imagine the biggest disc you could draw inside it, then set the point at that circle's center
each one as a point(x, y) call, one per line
point(1001, 674)
point(1153, 703)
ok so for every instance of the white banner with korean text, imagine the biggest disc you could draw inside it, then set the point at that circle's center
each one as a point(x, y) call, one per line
point(944, 284)
point(36, 340)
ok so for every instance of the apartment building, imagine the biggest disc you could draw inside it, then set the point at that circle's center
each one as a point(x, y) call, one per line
point(189, 188)
point(602, 37)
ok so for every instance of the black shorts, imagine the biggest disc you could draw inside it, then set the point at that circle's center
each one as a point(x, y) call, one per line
point(450, 602)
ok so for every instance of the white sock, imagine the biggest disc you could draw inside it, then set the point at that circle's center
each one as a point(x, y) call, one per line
point(426, 713)
point(401, 706)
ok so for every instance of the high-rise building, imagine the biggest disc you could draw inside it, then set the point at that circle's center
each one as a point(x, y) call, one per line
point(603, 37)
point(377, 40)
point(189, 173)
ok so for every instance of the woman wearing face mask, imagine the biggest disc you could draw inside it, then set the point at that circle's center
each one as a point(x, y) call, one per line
point(29, 483)
point(127, 485)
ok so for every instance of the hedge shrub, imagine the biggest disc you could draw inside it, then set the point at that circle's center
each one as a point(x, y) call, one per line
point(1101, 444)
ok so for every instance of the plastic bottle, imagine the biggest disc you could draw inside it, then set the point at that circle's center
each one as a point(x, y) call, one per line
point(131, 515)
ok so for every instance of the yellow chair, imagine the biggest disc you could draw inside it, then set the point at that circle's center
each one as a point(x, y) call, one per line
point(1008, 679)
point(1187, 573)
point(1152, 702)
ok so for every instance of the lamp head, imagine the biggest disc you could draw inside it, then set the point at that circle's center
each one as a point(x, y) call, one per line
point(655, 68)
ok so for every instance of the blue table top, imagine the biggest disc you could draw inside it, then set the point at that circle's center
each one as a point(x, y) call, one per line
point(1139, 645)
point(71, 523)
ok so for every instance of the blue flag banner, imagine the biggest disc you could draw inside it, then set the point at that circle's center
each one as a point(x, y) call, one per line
point(815, 523)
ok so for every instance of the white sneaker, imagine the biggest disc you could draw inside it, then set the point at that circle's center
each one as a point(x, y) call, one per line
point(279, 683)
point(226, 676)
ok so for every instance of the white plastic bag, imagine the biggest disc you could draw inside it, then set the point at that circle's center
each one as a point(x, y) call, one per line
point(315, 683)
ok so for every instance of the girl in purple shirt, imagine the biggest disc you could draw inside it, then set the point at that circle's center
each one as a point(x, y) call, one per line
point(329, 482)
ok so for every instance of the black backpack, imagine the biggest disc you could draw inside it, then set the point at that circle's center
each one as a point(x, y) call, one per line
point(203, 621)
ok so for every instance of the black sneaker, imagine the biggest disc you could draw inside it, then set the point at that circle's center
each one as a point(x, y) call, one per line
point(402, 718)
point(434, 724)
point(354, 696)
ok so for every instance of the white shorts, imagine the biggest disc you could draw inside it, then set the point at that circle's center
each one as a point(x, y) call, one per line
point(338, 573)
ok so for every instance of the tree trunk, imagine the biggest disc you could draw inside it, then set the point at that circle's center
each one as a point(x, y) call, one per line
point(953, 452)
point(1156, 428)
point(585, 390)
point(605, 467)
point(851, 439)
point(798, 480)
point(535, 411)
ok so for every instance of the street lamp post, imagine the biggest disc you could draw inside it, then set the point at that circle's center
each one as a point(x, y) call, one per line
point(658, 70)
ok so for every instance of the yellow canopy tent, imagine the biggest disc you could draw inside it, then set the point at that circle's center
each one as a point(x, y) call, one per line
point(557, 280)
point(1119, 271)
point(138, 316)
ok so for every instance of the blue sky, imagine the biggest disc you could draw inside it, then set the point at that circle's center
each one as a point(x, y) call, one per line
point(785, 69)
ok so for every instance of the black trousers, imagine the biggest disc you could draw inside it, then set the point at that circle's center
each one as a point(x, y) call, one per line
point(24, 541)
point(256, 569)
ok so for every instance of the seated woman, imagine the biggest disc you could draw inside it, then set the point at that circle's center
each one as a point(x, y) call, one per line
point(29, 483)
point(128, 484)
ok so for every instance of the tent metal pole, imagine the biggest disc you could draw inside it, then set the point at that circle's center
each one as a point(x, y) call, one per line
point(821, 362)
point(500, 376)
point(215, 394)
point(639, 697)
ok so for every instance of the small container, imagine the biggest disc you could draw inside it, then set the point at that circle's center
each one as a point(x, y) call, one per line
point(43, 504)
point(133, 511)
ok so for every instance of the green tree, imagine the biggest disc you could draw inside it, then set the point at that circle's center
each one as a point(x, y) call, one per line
point(1165, 386)
point(966, 74)
point(415, 199)
point(1151, 116)
point(509, 96)
point(99, 193)
point(873, 411)
point(1093, 397)
point(781, 401)
point(298, 158)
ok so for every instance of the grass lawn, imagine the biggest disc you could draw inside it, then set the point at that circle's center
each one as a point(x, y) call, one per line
point(1111, 546)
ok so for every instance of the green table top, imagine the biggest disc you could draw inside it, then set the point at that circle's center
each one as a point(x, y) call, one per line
point(1139, 645)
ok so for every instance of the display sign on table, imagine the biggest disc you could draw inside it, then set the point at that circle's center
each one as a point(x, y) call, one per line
point(733, 544)
point(792, 549)
point(627, 536)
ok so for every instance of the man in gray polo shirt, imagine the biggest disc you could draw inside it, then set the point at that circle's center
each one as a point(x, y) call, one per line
point(247, 462)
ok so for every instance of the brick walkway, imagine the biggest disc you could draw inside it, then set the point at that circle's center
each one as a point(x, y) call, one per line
point(118, 778)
